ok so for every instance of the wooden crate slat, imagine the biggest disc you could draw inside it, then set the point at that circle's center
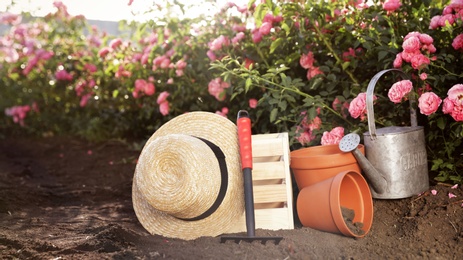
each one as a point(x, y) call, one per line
point(266, 147)
point(270, 193)
point(268, 170)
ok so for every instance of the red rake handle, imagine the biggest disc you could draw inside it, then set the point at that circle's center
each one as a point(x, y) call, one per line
point(244, 137)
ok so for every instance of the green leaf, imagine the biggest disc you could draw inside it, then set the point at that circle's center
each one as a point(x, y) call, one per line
point(441, 123)
point(259, 14)
point(286, 28)
point(115, 93)
point(275, 44)
point(248, 84)
point(273, 115)
point(382, 55)
point(345, 65)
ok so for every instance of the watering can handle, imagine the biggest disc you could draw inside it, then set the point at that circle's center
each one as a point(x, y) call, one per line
point(369, 101)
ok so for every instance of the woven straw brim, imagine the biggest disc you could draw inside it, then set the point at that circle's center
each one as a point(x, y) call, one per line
point(223, 133)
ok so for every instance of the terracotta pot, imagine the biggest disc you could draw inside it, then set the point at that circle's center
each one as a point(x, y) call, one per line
point(314, 164)
point(319, 205)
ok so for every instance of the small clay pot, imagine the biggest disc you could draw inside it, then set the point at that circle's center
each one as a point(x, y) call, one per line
point(319, 205)
point(314, 164)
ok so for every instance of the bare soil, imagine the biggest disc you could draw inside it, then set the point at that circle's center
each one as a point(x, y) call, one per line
point(64, 198)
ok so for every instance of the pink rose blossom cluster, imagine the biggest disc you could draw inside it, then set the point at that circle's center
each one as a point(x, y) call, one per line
point(163, 103)
point(391, 5)
point(399, 90)
point(9, 18)
point(304, 131)
point(216, 45)
point(162, 62)
point(113, 45)
point(143, 87)
point(342, 107)
point(333, 137)
point(63, 75)
point(451, 14)
point(358, 106)
point(350, 54)
point(266, 27)
point(307, 62)
point(453, 103)
point(18, 113)
point(180, 65)
point(216, 88)
point(416, 49)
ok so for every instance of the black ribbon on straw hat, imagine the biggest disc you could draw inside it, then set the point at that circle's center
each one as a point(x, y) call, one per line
point(188, 182)
point(223, 184)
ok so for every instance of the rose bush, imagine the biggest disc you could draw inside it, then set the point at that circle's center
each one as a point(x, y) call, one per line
point(297, 66)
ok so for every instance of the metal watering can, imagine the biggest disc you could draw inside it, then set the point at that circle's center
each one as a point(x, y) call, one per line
point(398, 153)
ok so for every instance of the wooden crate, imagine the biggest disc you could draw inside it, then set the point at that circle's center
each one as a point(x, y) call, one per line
point(273, 193)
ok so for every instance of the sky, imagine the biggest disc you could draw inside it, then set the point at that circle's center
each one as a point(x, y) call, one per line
point(105, 10)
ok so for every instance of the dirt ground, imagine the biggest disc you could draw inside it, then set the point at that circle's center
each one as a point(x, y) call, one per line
point(64, 198)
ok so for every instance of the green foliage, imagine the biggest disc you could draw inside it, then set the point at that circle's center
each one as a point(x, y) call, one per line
point(349, 45)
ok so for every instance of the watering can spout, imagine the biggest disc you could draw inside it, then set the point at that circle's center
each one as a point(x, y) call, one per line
point(376, 179)
point(378, 182)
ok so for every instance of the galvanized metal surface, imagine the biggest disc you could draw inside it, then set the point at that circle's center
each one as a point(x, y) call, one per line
point(399, 153)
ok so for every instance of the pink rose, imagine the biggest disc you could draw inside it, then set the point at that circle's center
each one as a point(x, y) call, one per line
point(9, 18)
point(223, 112)
point(143, 86)
point(357, 107)
point(211, 55)
point(256, 36)
point(423, 76)
point(219, 43)
point(420, 61)
point(181, 64)
point(63, 75)
point(399, 90)
point(434, 23)
point(307, 60)
point(265, 28)
point(84, 100)
point(312, 72)
point(162, 97)
point(398, 61)
point(411, 44)
point(448, 106)
point(312, 125)
point(450, 18)
point(252, 103)
point(103, 52)
point(425, 39)
point(458, 42)
point(391, 5)
point(333, 137)
point(456, 93)
point(429, 103)
point(238, 37)
point(216, 88)
point(304, 137)
point(18, 113)
point(113, 44)
point(164, 108)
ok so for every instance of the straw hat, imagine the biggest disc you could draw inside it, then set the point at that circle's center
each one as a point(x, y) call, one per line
point(188, 181)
